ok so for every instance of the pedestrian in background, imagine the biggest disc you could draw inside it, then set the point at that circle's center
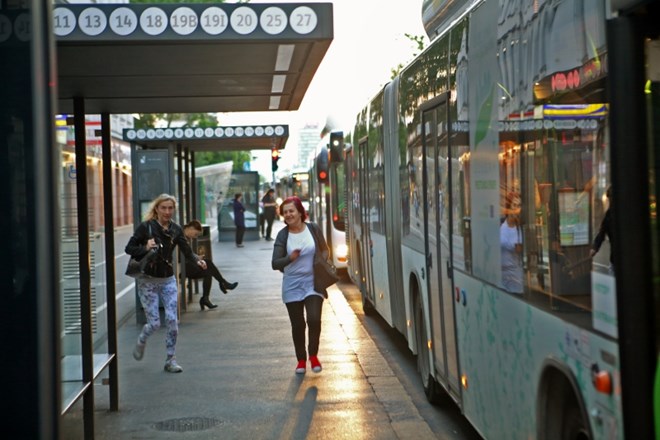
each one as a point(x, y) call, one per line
point(293, 254)
point(160, 235)
point(239, 218)
point(270, 205)
point(192, 230)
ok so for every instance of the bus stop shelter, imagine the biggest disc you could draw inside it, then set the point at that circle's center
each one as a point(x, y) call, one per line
point(171, 58)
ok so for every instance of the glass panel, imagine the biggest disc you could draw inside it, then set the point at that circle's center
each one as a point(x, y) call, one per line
point(301, 186)
point(511, 232)
point(69, 262)
point(339, 195)
point(70, 299)
point(247, 184)
point(460, 171)
point(215, 183)
point(375, 168)
point(415, 179)
point(553, 185)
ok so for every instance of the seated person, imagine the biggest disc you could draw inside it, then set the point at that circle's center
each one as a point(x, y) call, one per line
point(191, 231)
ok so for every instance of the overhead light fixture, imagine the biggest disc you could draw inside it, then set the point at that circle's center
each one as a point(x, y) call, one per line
point(274, 103)
point(278, 83)
point(284, 55)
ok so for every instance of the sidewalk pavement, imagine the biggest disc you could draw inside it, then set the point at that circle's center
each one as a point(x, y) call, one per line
point(238, 380)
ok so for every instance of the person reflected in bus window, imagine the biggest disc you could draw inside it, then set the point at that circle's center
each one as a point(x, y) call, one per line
point(192, 230)
point(511, 245)
point(270, 205)
point(239, 218)
point(605, 229)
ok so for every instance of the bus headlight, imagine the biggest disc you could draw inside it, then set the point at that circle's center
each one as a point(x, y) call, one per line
point(341, 251)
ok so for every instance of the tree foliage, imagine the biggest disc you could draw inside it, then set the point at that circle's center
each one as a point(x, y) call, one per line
point(203, 120)
point(212, 157)
point(419, 43)
point(150, 120)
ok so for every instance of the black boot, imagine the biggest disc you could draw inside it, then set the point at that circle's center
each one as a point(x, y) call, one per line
point(225, 285)
point(204, 301)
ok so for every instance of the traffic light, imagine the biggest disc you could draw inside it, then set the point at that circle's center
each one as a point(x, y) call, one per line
point(336, 146)
point(275, 155)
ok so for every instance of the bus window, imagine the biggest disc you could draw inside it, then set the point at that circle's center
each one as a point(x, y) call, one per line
point(339, 197)
point(462, 243)
point(555, 175)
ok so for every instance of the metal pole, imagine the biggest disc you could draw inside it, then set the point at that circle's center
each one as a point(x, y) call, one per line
point(631, 240)
point(87, 345)
point(108, 211)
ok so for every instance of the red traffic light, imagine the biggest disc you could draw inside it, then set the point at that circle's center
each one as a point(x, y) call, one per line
point(275, 157)
point(323, 175)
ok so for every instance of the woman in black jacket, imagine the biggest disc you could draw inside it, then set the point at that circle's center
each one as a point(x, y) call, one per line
point(156, 238)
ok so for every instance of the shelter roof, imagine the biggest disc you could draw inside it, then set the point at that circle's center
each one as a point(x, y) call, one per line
point(248, 137)
point(175, 58)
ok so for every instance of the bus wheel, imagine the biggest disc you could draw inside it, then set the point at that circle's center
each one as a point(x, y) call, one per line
point(574, 427)
point(560, 412)
point(431, 387)
point(367, 307)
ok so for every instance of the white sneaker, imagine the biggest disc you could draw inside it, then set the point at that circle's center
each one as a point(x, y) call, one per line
point(138, 351)
point(172, 367)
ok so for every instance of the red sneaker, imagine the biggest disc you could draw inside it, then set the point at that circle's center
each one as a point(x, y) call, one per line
point(300, 369)
point(316, 365)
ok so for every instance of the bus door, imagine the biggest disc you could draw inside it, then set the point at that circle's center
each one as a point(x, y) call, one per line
point(365, 238)
point(435, 122)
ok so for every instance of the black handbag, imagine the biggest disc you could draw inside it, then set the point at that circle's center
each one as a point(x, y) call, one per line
point(145, 265)
point(325, 273)
point(133, 269)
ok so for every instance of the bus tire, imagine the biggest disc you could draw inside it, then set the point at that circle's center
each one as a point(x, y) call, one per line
point(574, 427)
point(367, 307)
point(432, 389)
point(560, 413)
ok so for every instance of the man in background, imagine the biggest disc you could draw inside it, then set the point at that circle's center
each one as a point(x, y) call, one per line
point(270, 206)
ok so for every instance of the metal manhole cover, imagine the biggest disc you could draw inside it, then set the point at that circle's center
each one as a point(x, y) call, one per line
point(187, 424)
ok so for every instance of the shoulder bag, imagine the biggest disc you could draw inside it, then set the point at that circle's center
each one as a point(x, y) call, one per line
point(138, 268)
point(325, 273)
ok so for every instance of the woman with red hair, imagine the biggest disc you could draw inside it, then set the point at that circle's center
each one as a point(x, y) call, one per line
point(293, 254)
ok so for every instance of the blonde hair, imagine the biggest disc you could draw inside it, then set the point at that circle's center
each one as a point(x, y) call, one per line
point(152, 213)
